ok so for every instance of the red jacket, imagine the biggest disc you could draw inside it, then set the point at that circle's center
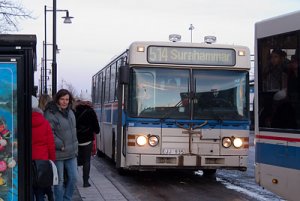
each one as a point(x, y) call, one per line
point(43, 146)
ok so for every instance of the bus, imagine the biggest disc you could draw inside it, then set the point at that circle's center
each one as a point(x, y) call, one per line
point(174, 105)
point(277, 105)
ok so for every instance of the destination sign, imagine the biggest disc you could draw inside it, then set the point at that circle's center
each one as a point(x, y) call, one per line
point(191, 56)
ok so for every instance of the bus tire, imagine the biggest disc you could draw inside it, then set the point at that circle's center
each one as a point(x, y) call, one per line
point(100, 154)
point(122, 171)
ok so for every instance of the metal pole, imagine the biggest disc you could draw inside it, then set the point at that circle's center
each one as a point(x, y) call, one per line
point(41, 79)
point(54, 64)
point(191, 28)
point(41, 84)
point(45, 49)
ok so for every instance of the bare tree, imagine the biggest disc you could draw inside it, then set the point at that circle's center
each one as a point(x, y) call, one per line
point(10, 14)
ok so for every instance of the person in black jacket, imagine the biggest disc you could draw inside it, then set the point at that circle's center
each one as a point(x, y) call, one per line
point(87, 125)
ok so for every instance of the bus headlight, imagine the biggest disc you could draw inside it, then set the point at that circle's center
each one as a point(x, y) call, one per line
point(153, 140)
point(141, 140)
point(237, 142)
point(226, 142)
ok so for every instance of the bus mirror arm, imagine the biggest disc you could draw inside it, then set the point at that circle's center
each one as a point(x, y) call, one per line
point(124, 74)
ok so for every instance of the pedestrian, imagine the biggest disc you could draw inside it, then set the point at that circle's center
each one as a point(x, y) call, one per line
point(43, 147)
point(63, 123)
point(43, 101)
point(87, 125)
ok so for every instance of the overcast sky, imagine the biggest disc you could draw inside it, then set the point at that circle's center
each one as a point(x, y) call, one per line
point(102, 29)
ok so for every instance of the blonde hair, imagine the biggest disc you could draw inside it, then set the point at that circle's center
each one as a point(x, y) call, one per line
point(43, 101)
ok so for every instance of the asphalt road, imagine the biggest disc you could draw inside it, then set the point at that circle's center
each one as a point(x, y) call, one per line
point(187, 185)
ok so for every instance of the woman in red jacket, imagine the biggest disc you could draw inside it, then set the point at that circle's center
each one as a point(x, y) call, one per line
point(43, 147)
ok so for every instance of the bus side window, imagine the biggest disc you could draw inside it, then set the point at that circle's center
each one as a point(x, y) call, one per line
point(107, 85)
point(112, 82)
point(293, 79)
point(274, 73)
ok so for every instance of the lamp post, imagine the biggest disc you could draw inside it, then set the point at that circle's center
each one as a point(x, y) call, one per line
point(41, 80)
point(191, 28)
point(54, 64)
point(44, 69)
point(67, 20)
point(45, 49)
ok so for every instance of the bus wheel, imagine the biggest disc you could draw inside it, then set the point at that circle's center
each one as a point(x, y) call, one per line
point(122, 171)
point(100, 154)
point(209, 172)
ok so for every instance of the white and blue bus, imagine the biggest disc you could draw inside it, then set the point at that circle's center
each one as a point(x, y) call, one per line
point(175, 105)
point(277, 105)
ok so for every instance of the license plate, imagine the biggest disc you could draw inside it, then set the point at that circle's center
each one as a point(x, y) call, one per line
point(173, 151)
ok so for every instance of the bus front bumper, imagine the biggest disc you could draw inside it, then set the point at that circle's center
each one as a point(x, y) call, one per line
point(136, 161)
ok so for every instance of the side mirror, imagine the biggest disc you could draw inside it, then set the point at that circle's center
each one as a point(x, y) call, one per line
point(124, 74)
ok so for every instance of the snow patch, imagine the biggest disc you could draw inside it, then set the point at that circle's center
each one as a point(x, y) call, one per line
point(242, 190)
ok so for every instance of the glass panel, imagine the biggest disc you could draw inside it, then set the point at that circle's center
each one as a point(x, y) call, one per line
point(112, 82)
point(107, 84)
point(220, 95)
point(278, 81)
point(117, 78)
point(159, 93)
point(94, 89)
point(99, 90)
point(8, 126)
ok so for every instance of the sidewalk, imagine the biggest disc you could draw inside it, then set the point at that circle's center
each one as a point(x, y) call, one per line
point(101, 188)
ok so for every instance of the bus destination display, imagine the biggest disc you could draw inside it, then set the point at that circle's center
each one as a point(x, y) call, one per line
point(191, 56)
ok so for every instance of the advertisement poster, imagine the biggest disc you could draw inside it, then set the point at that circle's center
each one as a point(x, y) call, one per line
point(8, 132)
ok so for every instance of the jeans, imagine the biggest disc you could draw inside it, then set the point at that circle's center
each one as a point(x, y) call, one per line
point(65, 188)
point(84, 159)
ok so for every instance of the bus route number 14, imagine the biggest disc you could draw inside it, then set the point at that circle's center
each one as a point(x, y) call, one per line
point(158, 54)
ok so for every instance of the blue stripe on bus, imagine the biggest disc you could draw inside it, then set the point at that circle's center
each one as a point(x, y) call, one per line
point(115, 116)
point(278, 155)
point(171, 123)
point(98, 113)
point(107, 115)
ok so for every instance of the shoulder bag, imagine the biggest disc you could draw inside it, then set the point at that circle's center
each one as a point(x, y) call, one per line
point(44, 173)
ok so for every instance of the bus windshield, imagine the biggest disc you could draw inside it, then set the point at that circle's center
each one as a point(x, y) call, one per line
point(165, 93)
point(220, 95)
point(159, 93)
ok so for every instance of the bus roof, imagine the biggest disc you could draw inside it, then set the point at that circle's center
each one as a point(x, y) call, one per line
point(184, 44)
point(288, 22)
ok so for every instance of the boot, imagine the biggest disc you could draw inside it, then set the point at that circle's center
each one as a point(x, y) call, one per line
point(86, 184)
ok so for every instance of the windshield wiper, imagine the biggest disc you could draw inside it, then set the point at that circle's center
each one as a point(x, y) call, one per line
point(216, 116)
point(176, 106)
point(148, 109)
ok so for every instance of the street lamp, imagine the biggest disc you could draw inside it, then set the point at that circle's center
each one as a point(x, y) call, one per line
point(44, 76)
point(44, 68)
point(67, 20)
point(191, 28)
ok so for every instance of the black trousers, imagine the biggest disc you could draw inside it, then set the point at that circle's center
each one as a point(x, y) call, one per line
point(39, 193)
point(84, 159)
